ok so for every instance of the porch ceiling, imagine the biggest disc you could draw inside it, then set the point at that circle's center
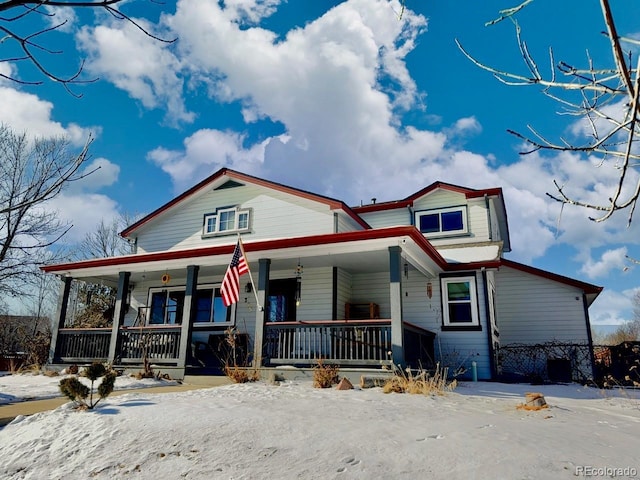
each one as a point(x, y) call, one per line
point(358, 256)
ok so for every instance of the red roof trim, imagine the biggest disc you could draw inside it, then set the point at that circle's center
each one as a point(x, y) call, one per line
point(332, 203)
point(257, 247)
point(468, 193)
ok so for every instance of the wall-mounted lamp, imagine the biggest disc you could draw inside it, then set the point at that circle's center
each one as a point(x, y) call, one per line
point(406, 270)
point(429, 289)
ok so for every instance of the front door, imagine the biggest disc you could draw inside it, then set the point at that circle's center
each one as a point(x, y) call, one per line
point(281, 302)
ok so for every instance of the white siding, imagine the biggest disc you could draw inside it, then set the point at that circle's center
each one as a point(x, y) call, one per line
point(344, 292)
point(273, 215)
point(496, 234)
point(372, 287)
point(533, 309)
point(388, 218)
point(317, 295)
point(453, 349)
point(346, 223)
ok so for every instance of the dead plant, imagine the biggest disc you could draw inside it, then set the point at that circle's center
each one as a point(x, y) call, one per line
point(325, 376)
point(241, 374)
point(421, 382)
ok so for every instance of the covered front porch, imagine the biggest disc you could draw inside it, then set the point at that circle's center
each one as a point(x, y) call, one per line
point(339, 303)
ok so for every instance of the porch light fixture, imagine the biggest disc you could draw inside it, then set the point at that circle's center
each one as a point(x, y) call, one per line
point(406, 270)
point(298, 273)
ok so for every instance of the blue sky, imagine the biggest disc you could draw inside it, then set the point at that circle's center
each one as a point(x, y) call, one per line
point(341, 98)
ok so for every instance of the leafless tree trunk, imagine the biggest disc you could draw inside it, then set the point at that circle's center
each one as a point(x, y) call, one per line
point(31, 173)
point(606, 99)
point(19, 20)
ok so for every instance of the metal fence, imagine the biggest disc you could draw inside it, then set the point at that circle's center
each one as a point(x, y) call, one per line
point(550, 361)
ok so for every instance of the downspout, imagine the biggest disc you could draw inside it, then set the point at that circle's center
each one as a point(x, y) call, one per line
point(492, 360)
point(589, 336)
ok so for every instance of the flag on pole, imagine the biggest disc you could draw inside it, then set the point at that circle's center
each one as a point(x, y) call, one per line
point(230, 289)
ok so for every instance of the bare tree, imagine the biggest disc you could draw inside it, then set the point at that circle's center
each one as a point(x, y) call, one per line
point(105, 240)
point(32, 172)
point(606, 99)
point(94, 302)
point(18, 26)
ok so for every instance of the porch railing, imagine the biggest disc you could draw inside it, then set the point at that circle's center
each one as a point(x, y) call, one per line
point(161, 344)
point(345, 342)
point(80, 345)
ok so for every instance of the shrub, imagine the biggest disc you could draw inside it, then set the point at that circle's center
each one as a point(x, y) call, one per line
point(421, 382)
point(78, 392)
point(325, 376)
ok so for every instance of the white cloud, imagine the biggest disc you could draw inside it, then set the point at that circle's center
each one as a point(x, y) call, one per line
point(63, 19)
point(84, 211)
point(610, 260)
point(205, 152)
point(81, 205)
point(26, 112)
point(612, 308)
point(143, 66)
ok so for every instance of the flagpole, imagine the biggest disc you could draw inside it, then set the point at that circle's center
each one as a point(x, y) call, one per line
point(249, 272)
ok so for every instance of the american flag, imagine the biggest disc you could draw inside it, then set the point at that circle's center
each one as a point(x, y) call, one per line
point(230, 289)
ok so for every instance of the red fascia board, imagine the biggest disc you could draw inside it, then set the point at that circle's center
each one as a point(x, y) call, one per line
point(407, 202)
point(332, 203)
point(258, 246)
point(377, 207)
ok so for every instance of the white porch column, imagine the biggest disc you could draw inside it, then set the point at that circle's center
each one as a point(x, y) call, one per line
point(119, 312)
point(187, 314)
point(61, 315)
point(261, 313)
point(395, 297)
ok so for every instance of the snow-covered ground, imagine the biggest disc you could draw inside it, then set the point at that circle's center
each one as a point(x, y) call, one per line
point(293, 431)
point(20, 388)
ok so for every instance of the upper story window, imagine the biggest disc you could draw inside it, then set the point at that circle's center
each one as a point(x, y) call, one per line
point(443, 221)
point(226, 220)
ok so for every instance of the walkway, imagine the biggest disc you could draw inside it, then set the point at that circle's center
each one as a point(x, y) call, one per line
point(11, 410)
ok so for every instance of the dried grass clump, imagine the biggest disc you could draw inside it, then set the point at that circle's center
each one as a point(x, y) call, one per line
point(419, 383)
point(325, 376)
point(241, 374)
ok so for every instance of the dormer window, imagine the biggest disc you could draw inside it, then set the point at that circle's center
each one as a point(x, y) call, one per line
point(226, 220)
point(443, 221)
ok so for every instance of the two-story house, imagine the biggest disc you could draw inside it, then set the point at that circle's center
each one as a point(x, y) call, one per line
point(417, 281)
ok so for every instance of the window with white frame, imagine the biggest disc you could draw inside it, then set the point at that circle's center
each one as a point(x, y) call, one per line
point(166, 306)
point(226, 220)
point(443, 221)
point(459, 302)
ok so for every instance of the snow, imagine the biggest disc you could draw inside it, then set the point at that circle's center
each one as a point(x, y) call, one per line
point(34, 386)
point(294, 431)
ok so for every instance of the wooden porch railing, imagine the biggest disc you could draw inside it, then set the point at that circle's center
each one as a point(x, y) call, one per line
point(81, 345)
point(344, 342)
point(161, 344)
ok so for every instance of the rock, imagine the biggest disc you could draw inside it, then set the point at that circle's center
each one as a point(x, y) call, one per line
point(344, 384)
